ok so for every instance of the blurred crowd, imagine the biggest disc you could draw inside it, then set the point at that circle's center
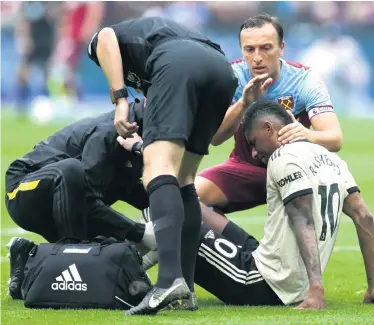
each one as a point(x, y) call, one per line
point(333, 37)
point(221, 13)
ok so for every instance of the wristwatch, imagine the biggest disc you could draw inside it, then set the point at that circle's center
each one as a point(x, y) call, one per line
point(137, 147)
point(116, 94)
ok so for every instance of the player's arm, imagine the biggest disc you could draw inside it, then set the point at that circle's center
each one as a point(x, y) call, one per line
point(299, 211)
point(355, 207)
point(326, 127)
point(288, 177)
point(230, 124)
point(326, 131)
point(254, 90)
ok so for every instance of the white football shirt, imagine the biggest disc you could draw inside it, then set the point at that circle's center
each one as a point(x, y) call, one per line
point(295, 170)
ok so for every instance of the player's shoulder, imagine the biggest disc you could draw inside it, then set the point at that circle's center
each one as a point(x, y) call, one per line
point(282, 153)
point(301, 73)
point(292, 152)
point(296, 68)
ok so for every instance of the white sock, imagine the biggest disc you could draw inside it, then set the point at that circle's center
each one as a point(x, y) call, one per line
point(149, 238)
point(150, 260)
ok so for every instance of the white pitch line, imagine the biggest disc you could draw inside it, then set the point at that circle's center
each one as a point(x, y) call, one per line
point(13, 231)
point(337, 249)
point(242, 220)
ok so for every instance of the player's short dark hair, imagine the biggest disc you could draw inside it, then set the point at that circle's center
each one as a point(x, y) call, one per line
point(259, 21)
point(262, 109)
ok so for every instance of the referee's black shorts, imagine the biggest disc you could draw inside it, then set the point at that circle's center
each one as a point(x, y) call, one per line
point(192, 86)
point(226, 268)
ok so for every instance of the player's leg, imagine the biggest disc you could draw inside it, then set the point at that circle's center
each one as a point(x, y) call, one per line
point(229, 229)
point(208, 191)
point(229, 271)
point(243, 184)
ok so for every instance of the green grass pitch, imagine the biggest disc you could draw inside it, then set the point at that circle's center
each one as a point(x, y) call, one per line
point(344, 279)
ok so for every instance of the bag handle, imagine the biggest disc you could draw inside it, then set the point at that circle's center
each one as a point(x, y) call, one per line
point(104, 243)
point(101, 240)
point(61, 242)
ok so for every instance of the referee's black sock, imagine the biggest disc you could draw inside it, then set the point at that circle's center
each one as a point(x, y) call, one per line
point(190, 233)
point(167, 214)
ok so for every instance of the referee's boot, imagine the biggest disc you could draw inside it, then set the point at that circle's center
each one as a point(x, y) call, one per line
point(160, 298)
point(19, 249)
point(189, 304)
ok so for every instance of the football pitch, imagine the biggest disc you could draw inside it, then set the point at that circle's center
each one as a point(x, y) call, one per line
point(344, 278)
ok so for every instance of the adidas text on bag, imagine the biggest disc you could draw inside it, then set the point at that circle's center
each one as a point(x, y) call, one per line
point(69, 280)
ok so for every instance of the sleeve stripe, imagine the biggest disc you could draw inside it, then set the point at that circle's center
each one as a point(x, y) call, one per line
point(297, 194)
point(316, 110)
point(320, 114)
point(353, 190)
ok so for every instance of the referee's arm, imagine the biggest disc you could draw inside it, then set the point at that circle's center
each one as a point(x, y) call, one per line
point(109, 56)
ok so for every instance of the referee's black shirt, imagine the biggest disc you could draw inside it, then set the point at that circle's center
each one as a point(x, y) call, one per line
point(138, 37)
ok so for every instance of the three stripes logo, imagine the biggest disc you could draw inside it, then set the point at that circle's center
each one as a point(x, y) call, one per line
point(220, 259)
point(69, 280)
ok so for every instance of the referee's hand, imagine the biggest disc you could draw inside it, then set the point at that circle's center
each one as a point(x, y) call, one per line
point(121, 120)
point(128, 143)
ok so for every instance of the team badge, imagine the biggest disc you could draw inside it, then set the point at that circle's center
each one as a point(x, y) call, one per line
point(287, 102)
point(134, 79)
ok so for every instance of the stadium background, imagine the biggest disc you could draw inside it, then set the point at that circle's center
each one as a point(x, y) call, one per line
point(347, 63)
point(334, 37)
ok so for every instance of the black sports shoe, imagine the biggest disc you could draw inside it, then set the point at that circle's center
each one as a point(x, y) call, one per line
point(19, 249)
point(159, 298)
point(189, 304)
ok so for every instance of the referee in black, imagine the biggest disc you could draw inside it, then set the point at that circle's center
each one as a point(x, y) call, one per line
point(189, 84)
point(64, 187)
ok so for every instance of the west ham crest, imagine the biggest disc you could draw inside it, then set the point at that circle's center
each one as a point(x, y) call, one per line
point(286, 101)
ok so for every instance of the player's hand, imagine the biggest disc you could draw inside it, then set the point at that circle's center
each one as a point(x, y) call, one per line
point(121, 120)
point(293, 132)
point(315, 299)
point(129, 142)
point(369, 297)
point(256, 88)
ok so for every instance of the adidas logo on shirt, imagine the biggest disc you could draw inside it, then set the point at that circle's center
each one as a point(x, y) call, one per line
point(69, 280)
point(209, 234)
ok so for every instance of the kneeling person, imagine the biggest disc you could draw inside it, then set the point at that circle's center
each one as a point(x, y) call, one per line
point(64, 188)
